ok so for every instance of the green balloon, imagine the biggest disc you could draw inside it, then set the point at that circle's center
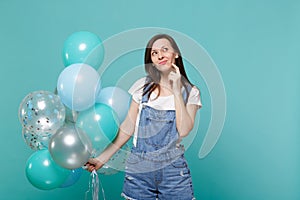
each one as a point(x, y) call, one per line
point(101, 125)
point(43, 173)
point(83, 47)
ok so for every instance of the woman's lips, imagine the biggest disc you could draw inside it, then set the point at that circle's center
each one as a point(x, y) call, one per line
point(163, 62)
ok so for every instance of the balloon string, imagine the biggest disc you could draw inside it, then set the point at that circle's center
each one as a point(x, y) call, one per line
point(103, 194)
point(94, 186)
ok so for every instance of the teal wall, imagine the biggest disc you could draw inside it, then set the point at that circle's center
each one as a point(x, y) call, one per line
point(255, 45)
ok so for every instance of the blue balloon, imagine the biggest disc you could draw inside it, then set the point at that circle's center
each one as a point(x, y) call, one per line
point(43, 173)
point(117, 98)
point(101, 125)
point(83, 47)
point(78, 85)
point(72, 178)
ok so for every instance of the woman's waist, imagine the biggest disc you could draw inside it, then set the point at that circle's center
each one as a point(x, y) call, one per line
point(165, 153)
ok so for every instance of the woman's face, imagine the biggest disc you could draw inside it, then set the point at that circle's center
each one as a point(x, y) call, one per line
point(163, 55)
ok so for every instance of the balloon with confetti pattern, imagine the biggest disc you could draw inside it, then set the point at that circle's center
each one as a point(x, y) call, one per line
point(42, 111)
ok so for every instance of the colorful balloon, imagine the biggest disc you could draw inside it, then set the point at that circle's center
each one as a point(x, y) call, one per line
point(83, 47)
point(41, 111)
point(70, 147)
point(71, 115)
point(101, 125)
point(43, 173)
point(72, 178)
point(117, 98)
point(77, 86)
point(36, 140)
point(117, 162)
point(107, 170)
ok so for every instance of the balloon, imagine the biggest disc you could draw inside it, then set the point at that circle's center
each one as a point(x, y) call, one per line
point(117, 98)
point(41, 111)
point(43, 173)
point(83, 47)
point(70, 147)
point(100, 123)
point(72, 178)
point(71, 115)
point(107, 170)
point(78, 85)
point(117, 162)
point(36, 140)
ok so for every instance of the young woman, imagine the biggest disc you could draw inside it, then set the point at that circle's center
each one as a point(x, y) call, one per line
point(162, 112)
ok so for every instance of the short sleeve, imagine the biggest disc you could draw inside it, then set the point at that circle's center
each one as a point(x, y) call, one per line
point(194, 97)
point(136, 90)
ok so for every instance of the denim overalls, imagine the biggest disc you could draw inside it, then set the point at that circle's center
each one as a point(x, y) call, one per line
point(156, 167)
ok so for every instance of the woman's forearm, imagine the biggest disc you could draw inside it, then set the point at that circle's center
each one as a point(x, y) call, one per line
point(115, 146)
point(184, 121)
point(125, 132)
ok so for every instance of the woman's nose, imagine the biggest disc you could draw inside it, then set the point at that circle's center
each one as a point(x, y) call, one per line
point(160, 55)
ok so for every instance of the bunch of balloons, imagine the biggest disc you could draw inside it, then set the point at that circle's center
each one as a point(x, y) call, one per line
point(77, 121)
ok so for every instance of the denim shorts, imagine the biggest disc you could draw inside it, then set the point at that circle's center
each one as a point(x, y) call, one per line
point(172, 182)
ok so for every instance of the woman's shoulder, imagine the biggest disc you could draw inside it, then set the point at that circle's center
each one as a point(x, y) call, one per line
point(195, 96)
point(138, 84)
point(192, 89)
point(141, 80)
point(195, 90)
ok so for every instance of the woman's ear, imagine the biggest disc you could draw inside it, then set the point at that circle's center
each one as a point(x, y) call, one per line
point(176, 56)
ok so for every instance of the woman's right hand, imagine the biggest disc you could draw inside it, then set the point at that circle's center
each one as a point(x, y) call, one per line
point(93, 164)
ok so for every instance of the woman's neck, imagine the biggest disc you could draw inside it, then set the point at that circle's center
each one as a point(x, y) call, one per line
point(165, 85)
point(164, 80)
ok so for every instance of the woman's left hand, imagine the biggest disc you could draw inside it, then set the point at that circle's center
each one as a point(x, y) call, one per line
point(175, 78)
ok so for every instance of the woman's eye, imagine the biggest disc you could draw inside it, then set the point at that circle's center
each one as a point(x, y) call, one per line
point(165, 49)
point(153, 53)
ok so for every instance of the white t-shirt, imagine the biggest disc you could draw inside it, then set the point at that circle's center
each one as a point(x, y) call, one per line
point(160, 103)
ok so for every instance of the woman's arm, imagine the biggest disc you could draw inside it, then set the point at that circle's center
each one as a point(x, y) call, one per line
point(125, 132)
point(185, 114)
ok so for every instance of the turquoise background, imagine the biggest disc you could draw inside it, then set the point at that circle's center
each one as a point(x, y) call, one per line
point(255, 45)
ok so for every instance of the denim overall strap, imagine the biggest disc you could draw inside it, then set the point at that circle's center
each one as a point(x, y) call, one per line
point(186, 93)
point(145, 97)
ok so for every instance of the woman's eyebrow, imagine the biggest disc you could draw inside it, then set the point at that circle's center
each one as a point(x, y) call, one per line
point(163, 46)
